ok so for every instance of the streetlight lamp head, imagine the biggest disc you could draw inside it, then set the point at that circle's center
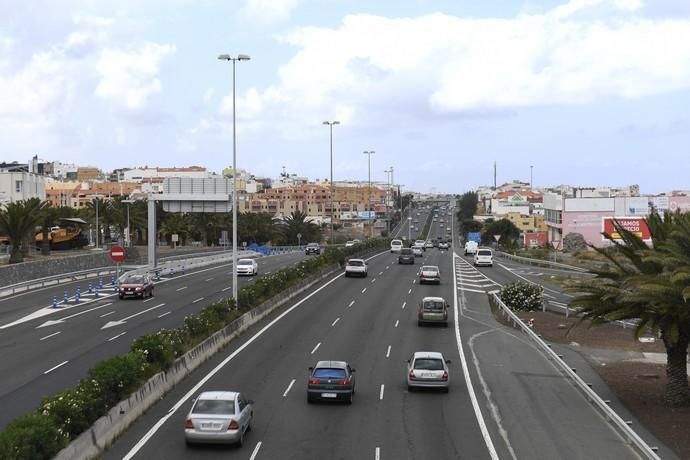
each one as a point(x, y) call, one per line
point(224, 57)
point(243, 57)
point(326, 122)
point(336, 122)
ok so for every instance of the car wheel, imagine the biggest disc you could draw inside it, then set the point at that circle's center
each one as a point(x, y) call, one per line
point(240, 442)
point(349, 399)
point(410, 388)
point(310, 400)
point(419, 323)
point(445, 390)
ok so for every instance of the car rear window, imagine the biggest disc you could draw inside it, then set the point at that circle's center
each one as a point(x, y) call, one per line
point(428, 364)
point(244, 262)
point(214, 406)
point(355, 263)
point(435, 305)
point(406, 251)
point(430, 269)
point(313, 245)
point(484, 252)
point(329, 373)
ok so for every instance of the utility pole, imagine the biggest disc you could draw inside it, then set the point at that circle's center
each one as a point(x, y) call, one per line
point(388, 189)
point(531, 184)
point(369, 153)
point(330, 124)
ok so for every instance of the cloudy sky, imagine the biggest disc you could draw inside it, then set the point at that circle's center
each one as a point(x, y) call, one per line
point(589, 92)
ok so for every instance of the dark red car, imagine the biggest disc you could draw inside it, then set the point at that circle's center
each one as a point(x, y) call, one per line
point(136, 286)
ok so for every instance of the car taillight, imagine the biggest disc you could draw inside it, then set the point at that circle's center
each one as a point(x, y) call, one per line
point(188, 424)
point(420, 314)
point(412, 373)
point(344, 382)
point(313, 381)
point(233, 425)
point(445, 375)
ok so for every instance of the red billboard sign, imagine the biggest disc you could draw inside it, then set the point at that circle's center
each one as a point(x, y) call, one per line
point(636, 225)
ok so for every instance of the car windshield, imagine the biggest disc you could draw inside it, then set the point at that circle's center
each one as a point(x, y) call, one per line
point(214, 406)
point(244, 262)
point(329, 373)
point(134, 279)
point(434, 305)
point(484, 252)
point(406, 251)
point(430, 269)
point(356, 263)
point(313, 245)
point(428, 364)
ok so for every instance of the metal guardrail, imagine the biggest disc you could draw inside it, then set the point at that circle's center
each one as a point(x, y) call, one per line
point(540, 262)
point(58, 279)
point(609, 414)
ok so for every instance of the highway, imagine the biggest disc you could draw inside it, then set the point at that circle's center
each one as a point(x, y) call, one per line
point(45, 355)
point(506, 400)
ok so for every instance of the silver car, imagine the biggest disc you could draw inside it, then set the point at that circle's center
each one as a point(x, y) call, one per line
point(427, 369)
point(430, 274)
point(356, 267)
point(219, 417)
point(432, 310)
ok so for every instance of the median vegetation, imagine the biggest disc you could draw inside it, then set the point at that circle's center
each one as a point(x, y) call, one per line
point(522, 296)
point(61, 418)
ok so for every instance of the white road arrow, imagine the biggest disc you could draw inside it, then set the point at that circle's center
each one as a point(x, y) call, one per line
point(124, 320)
point(53, 322)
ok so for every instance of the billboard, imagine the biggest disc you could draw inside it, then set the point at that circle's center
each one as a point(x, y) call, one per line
point(636, 225)
point(474, 236)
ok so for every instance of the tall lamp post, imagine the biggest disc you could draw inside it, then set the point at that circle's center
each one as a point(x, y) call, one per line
point(369, 153)
point(96, 198)
point(388, 189)
point(128, 238)
point(330, 125)
point(531, 184)
point(234, 59)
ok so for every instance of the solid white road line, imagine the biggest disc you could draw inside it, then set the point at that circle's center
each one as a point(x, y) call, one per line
point(255, 452)
point(351, 304)
point(381, 392)
point(118, 335)
point(468, 381)
point(288, 388)
point(226, 288)
point(51, 335)
point(396, 323)
point(147, 300)
point(107, 314)
point(198, 300)
point(388, 352)
point(377, 454)
point(316, 348)
point(364, 290)
point(471, 290)
point(181, 289)
point(208, 279)
point(53, 368)
point(164, 314)
point(387, 267)
point(403, 305)
point(335, 322)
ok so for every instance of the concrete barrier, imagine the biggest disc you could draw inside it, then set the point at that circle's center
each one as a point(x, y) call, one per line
point(106, 429)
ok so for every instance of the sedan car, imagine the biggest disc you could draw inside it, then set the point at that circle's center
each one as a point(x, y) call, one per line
point(356, 267)
point(219, 417)
point(312, 248)
point(443, 245)
point(417, 251)
point(427, 369)
point(430, 274)
point(136, 286)
point(428, 245)
point(247, 267)
point(432, 310)
point(406, 256)
point(349, 244)
point(331, 381)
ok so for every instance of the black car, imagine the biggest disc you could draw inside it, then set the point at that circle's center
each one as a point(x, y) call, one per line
point(406, 256)
point(312, 248)
point(331, 381)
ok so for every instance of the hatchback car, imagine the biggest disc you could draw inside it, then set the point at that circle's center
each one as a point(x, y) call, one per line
point(432, 310)
point(428, 245)
point(430, 274)
point(136, 286)
point(331, 381)
point(219, 417)
point(484, 256)
point(417, 251)
point(349, 243)
point(247, 267)
point(427, 369)
point(312, 248)
point(406, 256)
point(396, 245)
point(356, 267)
point(443, 245)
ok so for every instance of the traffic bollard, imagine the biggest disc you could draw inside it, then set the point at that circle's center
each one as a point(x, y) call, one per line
point(172, 272)
point(158, 275)
point(97, 291)
point(55, 302)
point(90, 288)
point(183, 269)
point(112, 280)
point(76, 298)
point(100, 283)
point(65, 299)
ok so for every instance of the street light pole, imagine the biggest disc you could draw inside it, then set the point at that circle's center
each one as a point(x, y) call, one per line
point(369, 153)
point(239, 57)
point(128, 238)
point(330, 124)
point(387, 198)
point(96, 198)
point(531, 184)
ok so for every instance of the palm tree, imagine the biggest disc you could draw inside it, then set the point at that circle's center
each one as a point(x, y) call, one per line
point(256, 227)
point(19, 220)
point(298, 223)
point(650, 285)
point(175, 224)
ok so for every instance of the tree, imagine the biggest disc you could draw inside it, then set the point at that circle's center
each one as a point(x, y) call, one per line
point(175, 224)
point(106, 217)
point(19, 220)
point(257, 228)
point(649, 284)
point(468, 206)
point(504, 227)
point(298, 222)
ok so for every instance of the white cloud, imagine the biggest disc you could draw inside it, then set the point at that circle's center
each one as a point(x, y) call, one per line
point(373, 68)
point(269, 11)
point(130, 77)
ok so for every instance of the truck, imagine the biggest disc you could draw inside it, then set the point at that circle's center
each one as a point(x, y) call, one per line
point(471, 247)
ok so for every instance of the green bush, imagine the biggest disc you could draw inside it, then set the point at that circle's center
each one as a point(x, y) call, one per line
point(522, 296)
point(157, 350)
point(32, 437)
point(119, 376)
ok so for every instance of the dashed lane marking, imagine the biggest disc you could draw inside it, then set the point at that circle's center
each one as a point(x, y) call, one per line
point(55, 367)
point(396, 323)
point(351, 304)
point(117, 336)
point(197, 300)
point(51, 335)
point(403, 305)
point(164, 314)
point(381, 392)
point(287, 390)
point(335, 322)
point(316, 348)
point(364, 290)
point(388, 352)
point(256, 451)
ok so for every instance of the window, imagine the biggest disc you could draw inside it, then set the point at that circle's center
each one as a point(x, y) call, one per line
point(428, 364)
point(214, 406)
point(325, 373)
point(18, 186)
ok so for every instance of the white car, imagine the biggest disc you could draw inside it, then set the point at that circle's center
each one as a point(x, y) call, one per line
point(417, 251)
point(443, 245)
point(471, 247)
point(484, 256)
point(349, 244)
point(427, 369)
point(356, 267)
point(396, 245)
point(219, 417)
point(247, 267)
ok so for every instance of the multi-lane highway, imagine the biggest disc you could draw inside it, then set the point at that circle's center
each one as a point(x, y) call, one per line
point(44, 355)
point(505, 401)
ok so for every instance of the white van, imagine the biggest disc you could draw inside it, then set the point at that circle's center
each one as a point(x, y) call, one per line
point(471, 247)
point(396, 245)
point(484, 256)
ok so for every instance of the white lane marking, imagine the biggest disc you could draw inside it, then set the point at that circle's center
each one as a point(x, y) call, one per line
point(55, 367)
point(351, 304)
point(198, 300)
point(195, 389)
point(107, 314)
point(118, 335)
point(380, 273)
point(181, 289)
point(335, 322)
point(60, 320)
point(396, 323)
point(51, 335)
point(381, 392)
point(164, 314)
point(364, 290)
point(287, 390)
point(403, 305)
point(377, 454)
point(468, 381)
point(256, 451)
point(148, 300)
point(414, 281)
point(388, 352)
point(316, 348)
point(410, 291)
point(225, 289)
point(532, 282)
point(208, 279)
point(373, 281)
point(471, 290)
point(387, 267)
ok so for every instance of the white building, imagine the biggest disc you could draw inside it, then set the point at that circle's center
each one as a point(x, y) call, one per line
point(17, 186)
point(140, 174)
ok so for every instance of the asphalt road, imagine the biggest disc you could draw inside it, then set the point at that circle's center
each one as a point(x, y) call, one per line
point(45, 355)
point(506, 400)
